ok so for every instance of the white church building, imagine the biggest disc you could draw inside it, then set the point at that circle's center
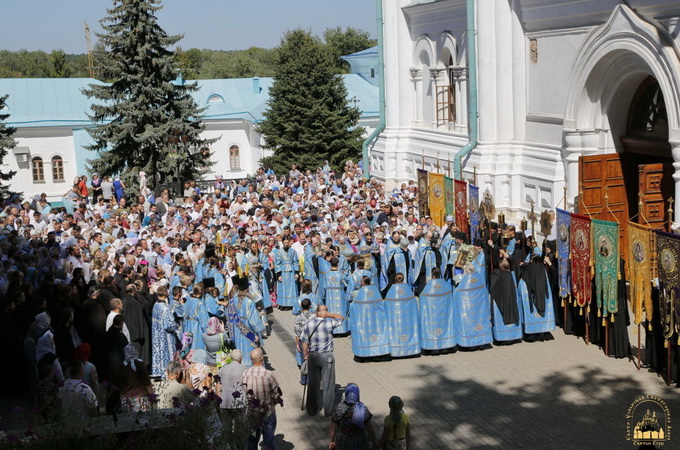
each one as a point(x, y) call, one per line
point(50, 115)
point(583, 94)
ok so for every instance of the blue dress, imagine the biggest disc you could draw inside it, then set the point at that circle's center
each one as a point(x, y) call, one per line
point(472, 312)
point(436, 316)
point(118, 190)
point(287, 265)
point(401, 308)
point(335, 299)
point(196, 320)
point(369, 324)
point(163, 326)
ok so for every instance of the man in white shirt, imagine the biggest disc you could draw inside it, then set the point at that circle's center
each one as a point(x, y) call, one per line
point(117, 308)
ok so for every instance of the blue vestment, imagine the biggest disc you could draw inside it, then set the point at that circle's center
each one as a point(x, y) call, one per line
point(394, 261)
point(369, 323)
point(401, 308)
point(310, 271)
point(533, 321)
point(313, 297)
point(324, 270)
point(509, 332)
point(287, 265)
point(244, 323)
point(334, 298)
point(163, 332)
point(436, 316)
point(355, 282)
point(472, 312)
point(196, 320)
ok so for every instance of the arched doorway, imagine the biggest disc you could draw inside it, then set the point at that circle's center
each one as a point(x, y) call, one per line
point(636, 182)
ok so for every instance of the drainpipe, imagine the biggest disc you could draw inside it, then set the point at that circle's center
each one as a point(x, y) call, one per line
point(381, 92)
point(472, 85)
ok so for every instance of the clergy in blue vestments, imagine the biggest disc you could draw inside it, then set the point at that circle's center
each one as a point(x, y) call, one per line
point(427, 258)
point(471, 310)
point(507, 324)
point(436, 314)
point(401, 308)
point(196, 316)
point(356, 280)
point(538, 313)
point(287, 269)
point(369, 322)
point(306, 291)
point(450, 255)
point(311, 266)
point(213, 271)
point(334, 298)
point(164, 334)
point(243, 320)
point(396, 259)
point(324, 269)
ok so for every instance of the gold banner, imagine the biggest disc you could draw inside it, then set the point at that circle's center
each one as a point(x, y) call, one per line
point(641, 261)
point(437, 200)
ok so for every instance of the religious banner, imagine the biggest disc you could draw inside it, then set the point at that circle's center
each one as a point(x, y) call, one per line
point(448, 190)
point(563, 239)
point(606, 246)
point(474, 212)
point(580, 260)
point(641, 248)
point(423, 193)
point(668, 254)
point(437, 200)
point(461, 205)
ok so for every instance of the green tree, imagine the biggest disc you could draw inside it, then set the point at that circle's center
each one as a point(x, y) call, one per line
point(7, 142)
point(342, 43)
point(308, 118)
point(145, 121)
point(60, 68)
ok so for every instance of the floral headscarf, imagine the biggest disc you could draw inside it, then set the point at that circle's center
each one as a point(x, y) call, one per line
point(215, 326)
point(131, 356)
point(352, 396)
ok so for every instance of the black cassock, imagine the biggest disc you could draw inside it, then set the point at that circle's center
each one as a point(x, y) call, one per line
point(619, 343)
point(135, 319)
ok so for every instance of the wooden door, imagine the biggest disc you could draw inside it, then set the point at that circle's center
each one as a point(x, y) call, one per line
point(603, 192)
point(655, 187)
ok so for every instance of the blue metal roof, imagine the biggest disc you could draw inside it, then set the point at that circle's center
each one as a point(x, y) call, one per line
point(368, 53)
point(37, 102)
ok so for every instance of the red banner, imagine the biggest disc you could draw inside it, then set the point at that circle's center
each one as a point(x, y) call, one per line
point(461, 205)
point(580, 259)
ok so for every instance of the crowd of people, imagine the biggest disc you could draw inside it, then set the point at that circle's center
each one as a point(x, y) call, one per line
point(126, 290)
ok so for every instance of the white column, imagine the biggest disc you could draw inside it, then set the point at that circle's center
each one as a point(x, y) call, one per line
point(417, 80)
point(675, 151)
point(438, 75)
point(572, 151)
point(461, 77)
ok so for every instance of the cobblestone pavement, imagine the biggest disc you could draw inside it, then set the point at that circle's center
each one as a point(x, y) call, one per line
point(560, 394)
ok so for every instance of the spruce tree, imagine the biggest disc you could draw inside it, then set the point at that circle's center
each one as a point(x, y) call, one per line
point(145, 121)
point(308, 118)
point(7, 142)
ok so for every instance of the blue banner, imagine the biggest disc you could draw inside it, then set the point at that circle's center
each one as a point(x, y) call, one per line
point(563, 249)
point(474, 211)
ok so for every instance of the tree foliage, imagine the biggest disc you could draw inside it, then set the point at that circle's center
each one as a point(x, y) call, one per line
point(343, 43)
point(308, 119)
point(7, 142)
point(144, 121)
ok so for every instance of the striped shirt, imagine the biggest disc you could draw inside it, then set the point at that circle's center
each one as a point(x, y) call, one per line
point(322, 338)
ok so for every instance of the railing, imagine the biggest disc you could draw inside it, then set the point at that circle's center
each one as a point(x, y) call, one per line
point(176, 188)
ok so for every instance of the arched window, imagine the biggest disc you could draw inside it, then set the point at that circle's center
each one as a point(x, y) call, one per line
point(234, 158)
point(57, 169)
point(38, 170)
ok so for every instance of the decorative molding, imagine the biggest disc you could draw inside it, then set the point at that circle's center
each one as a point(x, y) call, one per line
point(552, 119)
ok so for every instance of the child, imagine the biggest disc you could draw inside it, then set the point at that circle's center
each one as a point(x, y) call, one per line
point(396, 434)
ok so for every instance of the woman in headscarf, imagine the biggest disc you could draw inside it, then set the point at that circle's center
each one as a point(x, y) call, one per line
point(397, 429)
point(351, 427)
point(46, 351)
point(198, 375)
point(133, 382)
point(215, 339)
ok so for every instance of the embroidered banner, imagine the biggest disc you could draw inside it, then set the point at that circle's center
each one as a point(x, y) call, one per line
point(606, 246)
point(461, 205)
point(474, 212)
point(423, 193)
point(437, 200)
point(448, 192)
point(563, 239)
point(580, 259)
point(668, 254)
point(641, 254)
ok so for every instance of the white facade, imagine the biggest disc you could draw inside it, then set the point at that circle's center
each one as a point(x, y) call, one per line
point(555, 80)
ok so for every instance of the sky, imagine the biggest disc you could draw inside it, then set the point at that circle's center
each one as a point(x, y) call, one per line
point(213, 24)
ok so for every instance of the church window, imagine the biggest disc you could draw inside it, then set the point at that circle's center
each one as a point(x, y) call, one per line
point(38, 170)
point(57, 169)
point(234, 158)
point(446, 98)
